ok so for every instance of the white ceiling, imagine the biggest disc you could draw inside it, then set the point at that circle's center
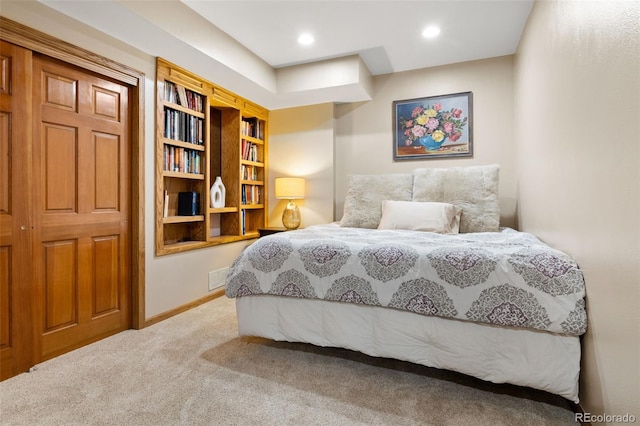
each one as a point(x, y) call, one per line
point(386, 34)
point(250, 47)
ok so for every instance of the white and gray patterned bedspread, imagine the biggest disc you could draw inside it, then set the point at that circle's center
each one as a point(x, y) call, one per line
point(506, 278)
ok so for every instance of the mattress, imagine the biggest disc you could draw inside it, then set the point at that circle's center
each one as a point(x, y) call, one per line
point(524, 357)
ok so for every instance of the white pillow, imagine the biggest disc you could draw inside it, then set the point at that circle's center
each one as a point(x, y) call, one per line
point(443, 218)
point(365, 194)
point(474, 189)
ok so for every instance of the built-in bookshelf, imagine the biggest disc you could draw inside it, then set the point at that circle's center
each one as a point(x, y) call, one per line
point(204, 131)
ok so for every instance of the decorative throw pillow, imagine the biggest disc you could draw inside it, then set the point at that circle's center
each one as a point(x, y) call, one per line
point(365, 193)
point(474, 189)
point(443, 218)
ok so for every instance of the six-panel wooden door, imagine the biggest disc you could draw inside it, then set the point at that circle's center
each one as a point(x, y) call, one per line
point(67, 244)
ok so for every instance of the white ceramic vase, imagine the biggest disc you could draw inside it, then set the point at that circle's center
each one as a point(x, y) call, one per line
point(218, 193)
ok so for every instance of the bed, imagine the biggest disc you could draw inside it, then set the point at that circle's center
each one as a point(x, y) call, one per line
point(419, 270)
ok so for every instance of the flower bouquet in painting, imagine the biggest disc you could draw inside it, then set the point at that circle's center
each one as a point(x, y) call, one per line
point(433, 124)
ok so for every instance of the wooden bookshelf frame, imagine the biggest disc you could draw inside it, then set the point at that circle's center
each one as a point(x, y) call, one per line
point(221, 155)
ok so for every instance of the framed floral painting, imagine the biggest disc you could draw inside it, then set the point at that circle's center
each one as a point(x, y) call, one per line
point(433, 127)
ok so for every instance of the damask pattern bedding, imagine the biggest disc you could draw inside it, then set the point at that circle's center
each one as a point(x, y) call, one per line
point(505, 278)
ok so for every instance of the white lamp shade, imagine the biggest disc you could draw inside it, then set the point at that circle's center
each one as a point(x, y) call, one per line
point(289, 188)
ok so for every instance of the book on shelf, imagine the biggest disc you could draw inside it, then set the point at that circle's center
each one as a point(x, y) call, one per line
point(249, 172)
point(165, 210)
point(249, 151)
point(183, 127)
point(253, 127)
point(188, 203)
point(182, 96)
point(183, 160)
point(251, 194)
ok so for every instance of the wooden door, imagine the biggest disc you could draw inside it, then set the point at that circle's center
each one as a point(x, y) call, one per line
point(81, 209)
point(16, 337)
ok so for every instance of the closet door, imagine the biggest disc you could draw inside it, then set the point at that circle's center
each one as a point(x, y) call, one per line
point(65, 205)
point(16, 230)
point(81, 185)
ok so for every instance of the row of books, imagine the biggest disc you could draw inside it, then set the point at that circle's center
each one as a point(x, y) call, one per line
point(177, 94)
point(251, 194)
point(183, 160)
point(249, 172)
point(249, 151)
point(183, 127)
point(253, 127)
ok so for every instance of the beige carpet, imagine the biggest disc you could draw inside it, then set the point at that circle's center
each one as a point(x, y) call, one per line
point(193, 369)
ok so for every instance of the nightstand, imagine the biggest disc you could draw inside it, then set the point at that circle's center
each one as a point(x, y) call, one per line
point(271, 230)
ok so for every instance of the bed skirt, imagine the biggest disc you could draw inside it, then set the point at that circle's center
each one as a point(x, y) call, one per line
point(536, 359)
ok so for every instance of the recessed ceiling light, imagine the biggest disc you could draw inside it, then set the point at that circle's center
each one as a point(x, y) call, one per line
point(305, 39)
point(431, 32)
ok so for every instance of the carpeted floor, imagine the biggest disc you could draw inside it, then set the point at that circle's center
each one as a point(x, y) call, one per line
point(193, 369)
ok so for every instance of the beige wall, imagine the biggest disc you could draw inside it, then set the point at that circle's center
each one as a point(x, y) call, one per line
point(577, 135)
point(301, 145)
point(364, 139)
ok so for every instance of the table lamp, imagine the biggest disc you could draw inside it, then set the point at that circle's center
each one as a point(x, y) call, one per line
point(290, 188)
